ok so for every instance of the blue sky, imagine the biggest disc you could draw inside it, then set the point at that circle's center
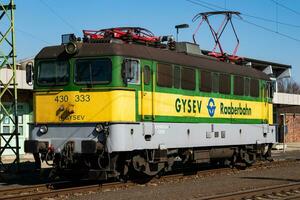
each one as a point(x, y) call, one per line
point(40, 23)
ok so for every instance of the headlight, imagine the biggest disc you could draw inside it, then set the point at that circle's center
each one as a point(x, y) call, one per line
point(43, 129)
point(71, 48)
point(99, 128)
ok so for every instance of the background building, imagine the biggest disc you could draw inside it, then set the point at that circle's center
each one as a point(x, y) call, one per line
point(286, 106)
point(24, 108)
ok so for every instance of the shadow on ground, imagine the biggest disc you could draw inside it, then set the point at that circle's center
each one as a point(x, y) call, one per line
point(24, 174)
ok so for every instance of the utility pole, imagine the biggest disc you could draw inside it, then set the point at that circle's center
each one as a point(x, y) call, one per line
point(8, 85)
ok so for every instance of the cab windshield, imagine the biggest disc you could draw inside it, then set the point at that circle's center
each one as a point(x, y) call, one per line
point(53, 73)
point(93, 71)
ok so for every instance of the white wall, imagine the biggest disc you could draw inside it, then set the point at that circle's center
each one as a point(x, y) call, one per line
point(6, 74)
point(286, 99)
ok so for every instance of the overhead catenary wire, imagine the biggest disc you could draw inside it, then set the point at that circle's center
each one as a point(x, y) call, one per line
point(32, 36)
point(273, 21)
point(286, 7)
point(270, 30)
point(276, 16)
point(203, 5)
point(208, 6)
point(243, 14)
point(59, 16)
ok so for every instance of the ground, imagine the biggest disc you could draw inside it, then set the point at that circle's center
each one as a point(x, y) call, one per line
point(195, 187)
point(186, 187)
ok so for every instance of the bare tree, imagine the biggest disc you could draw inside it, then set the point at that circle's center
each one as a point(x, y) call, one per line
point(288, 86)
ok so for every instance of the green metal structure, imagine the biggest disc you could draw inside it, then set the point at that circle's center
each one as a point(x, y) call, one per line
point(8, 87)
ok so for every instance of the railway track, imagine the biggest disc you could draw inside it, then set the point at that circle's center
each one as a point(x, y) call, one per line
point(282, 192)
point(40, 191)
point(65, 188)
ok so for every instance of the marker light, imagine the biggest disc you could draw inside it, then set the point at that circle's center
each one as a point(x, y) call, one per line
point(43, 129)
point(99, 128)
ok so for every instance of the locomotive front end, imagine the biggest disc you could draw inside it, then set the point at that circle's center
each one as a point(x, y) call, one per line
point(76, 99)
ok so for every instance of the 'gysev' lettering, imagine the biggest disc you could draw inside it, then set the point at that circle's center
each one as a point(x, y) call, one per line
point(188, 105)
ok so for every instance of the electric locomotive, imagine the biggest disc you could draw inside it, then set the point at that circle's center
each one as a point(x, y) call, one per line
point(122, 100)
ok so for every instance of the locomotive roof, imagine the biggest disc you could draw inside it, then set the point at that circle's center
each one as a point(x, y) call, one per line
point(145, 52)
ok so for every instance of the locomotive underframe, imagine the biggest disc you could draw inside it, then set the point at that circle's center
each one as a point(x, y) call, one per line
point(147, 147)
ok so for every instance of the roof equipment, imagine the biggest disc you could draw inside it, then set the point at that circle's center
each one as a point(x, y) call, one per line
point(217, 34)
point(127, 34)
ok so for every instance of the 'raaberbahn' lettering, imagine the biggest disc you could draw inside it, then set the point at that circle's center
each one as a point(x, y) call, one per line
point(235, 110)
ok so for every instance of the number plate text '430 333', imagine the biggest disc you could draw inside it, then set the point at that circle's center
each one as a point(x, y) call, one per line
point(77, 98)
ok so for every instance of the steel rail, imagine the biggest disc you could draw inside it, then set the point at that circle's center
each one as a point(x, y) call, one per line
point(283, 191)
point(50, 189)
point(66, 191)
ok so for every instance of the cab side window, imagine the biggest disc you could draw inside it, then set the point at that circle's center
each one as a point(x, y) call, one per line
point(131, 71)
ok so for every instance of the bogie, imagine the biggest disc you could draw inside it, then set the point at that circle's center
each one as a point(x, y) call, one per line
point(150, 163)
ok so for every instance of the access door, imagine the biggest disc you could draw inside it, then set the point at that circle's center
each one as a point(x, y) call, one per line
point(147, 91)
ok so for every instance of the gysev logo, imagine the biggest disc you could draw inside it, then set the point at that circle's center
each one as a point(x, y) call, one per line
point(211, 107)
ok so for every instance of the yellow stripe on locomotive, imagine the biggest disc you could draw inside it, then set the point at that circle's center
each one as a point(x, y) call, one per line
point(196, 106)
point(120, 106)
